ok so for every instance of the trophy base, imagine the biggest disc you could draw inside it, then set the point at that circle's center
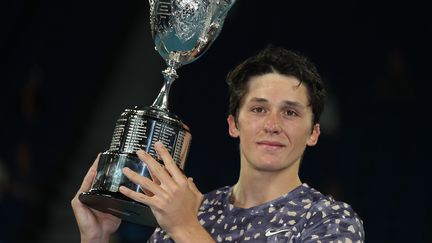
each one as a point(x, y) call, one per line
point(116, 204)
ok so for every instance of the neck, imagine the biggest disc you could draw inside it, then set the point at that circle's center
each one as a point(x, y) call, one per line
point(256, 187)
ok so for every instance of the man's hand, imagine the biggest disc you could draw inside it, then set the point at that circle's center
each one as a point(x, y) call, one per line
point(173, 198)
point(94, 226)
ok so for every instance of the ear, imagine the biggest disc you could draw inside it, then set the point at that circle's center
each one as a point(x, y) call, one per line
point(313, 138)
point(232, 128)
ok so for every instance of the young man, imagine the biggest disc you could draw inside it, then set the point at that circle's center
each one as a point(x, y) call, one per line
point(276, 99)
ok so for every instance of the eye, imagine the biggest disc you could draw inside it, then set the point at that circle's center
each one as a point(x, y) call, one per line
point(258, 109)
point(290, 113)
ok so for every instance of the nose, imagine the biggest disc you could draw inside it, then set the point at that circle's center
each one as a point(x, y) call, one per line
point(271, 124)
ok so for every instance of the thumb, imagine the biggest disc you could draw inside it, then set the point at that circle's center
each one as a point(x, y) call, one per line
point(193, 187)
point(89, 177)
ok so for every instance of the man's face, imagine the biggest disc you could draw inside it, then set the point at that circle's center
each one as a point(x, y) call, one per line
point(274, 123)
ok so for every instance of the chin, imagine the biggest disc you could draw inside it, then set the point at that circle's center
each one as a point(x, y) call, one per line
point(270, 166)
point(273, 164)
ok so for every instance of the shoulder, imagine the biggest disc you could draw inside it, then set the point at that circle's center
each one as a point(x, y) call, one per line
point(216, 197)
point(329, 219)
point(215, 200)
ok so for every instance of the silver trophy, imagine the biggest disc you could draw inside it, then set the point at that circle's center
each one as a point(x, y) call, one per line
point(182, 31)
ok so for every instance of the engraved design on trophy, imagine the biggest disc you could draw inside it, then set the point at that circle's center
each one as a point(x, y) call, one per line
point(182, 31)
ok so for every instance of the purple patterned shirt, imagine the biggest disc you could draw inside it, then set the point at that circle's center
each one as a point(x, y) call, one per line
point(302, 215)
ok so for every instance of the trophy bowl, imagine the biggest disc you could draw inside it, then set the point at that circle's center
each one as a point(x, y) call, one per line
point(182, 31)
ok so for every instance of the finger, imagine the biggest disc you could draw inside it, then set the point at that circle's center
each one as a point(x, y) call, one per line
point(88, 179)
point(156, 169)
point(169, 162)
point(143, 181)
point(154, 178)
point(86, 184)
point(139, 197)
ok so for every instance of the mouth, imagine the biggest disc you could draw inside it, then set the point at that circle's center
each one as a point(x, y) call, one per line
point(271, 145)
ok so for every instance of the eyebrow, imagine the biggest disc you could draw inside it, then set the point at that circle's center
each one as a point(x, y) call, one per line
point(286, 102)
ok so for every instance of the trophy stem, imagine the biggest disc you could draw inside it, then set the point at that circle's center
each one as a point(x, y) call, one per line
point(161, 101)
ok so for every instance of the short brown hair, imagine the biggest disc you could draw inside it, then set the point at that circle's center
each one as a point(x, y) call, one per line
point(277, 60)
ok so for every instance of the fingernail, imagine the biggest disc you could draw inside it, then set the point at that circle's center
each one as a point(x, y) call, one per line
point(158, 144)
point(140, 151)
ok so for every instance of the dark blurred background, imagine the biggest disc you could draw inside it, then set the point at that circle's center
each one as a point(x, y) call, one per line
point(69, 68)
